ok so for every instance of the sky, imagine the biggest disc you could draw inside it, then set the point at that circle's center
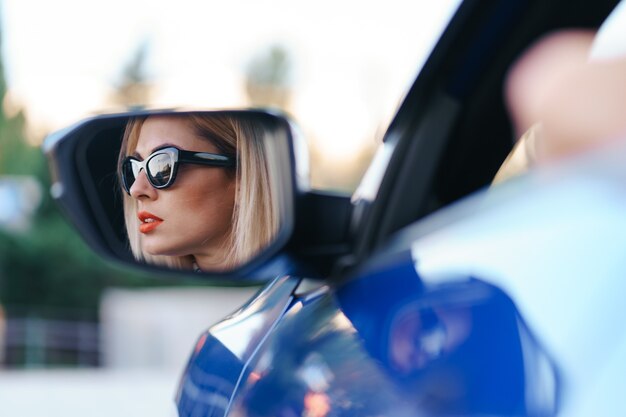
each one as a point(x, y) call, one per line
point(352, 61)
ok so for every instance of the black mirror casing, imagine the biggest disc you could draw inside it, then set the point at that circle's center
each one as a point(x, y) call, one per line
point(84, 159)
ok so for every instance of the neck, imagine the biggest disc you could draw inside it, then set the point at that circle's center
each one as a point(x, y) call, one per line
point(208, 263)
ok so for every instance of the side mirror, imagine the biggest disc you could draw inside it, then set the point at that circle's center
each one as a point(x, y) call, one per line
point(210, 191)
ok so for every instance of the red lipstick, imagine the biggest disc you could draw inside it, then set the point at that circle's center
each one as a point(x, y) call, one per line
point(149, 221)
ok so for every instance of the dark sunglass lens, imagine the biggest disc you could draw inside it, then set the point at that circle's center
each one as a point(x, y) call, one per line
point(129, 173)
point(160, 169)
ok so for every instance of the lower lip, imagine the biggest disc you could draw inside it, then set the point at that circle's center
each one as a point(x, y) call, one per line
point(148, 227)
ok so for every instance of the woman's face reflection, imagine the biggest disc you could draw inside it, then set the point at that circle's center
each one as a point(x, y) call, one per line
point(193, 217)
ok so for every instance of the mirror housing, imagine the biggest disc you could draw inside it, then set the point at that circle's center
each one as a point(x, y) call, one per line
point(84, 165)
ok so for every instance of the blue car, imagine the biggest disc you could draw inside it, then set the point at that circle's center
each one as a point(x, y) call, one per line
point(428, 292)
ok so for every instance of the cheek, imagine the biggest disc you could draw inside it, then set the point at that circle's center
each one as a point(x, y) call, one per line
point(210, 197)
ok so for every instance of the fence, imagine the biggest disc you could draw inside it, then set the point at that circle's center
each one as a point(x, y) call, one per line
point(35, 342)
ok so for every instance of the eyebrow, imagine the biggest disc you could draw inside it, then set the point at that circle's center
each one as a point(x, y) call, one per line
point(157, 148)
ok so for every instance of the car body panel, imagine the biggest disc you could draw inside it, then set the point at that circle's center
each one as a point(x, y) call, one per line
point(445, 349)
point(222, 354)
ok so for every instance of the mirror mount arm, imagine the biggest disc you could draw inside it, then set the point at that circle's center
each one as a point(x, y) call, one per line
point(322, 231)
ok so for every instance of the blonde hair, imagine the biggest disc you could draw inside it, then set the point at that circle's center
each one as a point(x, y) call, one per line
point(255, 218)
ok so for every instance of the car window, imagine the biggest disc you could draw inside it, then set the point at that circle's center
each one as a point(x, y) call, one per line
point(341, 69)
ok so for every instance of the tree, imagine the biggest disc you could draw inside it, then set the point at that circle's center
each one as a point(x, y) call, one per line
point(133, 88)
point(268, 78)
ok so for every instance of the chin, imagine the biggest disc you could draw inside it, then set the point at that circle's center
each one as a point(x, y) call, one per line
point(155, 249)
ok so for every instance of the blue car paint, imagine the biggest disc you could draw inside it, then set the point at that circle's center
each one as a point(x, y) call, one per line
point(445, 349)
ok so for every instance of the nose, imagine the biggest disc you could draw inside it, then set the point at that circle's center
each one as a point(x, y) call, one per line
point(141, 188)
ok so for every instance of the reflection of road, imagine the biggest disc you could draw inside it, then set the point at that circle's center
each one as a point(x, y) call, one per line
point(94, 393)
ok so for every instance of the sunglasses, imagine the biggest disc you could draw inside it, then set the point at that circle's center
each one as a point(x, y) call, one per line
point(162, 165)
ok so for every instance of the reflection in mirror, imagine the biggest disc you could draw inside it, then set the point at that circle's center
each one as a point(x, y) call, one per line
point(197, 190)
point(201, 191)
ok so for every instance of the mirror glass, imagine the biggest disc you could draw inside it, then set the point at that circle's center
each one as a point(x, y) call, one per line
point(196, 191)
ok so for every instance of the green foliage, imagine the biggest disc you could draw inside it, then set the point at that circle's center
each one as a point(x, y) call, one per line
point(51, 268)
point(17, 157)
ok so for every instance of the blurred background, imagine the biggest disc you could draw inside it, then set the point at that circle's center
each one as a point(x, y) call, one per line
point(75, 331)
